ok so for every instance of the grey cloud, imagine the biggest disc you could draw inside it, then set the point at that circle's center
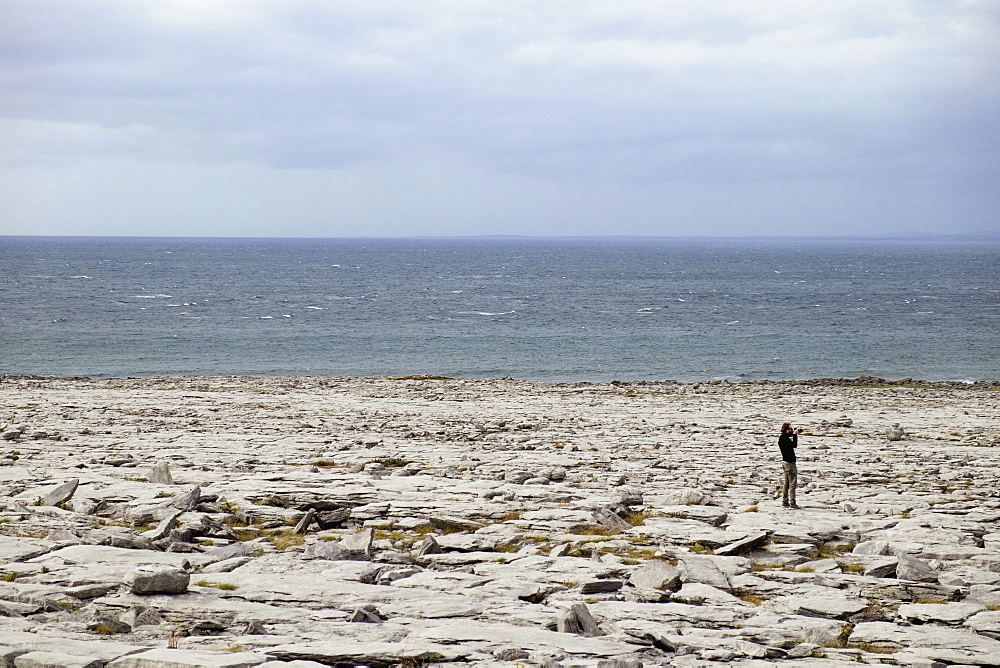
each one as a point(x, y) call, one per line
point(632, 93)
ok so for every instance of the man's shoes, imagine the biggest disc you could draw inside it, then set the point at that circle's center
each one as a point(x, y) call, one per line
point(794, 506)
point(784, 503)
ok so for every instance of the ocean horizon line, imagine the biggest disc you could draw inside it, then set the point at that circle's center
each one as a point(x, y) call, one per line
point(983, 236)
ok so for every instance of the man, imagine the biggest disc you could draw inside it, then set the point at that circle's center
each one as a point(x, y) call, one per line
point(787, 442)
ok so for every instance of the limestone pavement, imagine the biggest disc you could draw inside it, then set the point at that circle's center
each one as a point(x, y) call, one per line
point(407, 521)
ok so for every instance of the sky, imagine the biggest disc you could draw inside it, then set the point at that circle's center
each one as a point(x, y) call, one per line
point(525, 117)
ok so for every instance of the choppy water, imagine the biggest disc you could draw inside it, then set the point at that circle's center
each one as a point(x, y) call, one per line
point(561, 310)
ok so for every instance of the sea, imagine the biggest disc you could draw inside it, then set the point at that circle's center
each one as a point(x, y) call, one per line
point(559, 309)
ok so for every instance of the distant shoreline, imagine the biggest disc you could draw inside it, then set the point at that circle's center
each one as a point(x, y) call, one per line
point(860, 381)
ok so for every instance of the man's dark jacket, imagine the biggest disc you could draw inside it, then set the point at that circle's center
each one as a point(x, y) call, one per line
point(788, 442)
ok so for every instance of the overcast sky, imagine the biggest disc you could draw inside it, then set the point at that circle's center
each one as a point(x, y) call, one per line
point(454, 117)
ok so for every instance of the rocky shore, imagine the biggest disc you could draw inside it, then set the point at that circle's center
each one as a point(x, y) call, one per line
point(171, 522)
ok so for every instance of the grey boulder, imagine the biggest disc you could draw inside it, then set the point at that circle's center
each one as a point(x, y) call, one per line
point(157, 579)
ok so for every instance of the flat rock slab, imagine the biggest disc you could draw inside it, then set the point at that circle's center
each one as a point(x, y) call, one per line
point(52, 659)
point(193, 605)
point(441, 580)
point(186, 658)
point(462, 558)
point(471, 542)
point(29, 592)
point(669, 612)
point(831, 606)
point(942, 613)
point(684, 530)
point(313, 593)
point(14, 549)
point(712, 515)
point(102, 650)
point(117, 556)
point(354, 652)
point(497, 635)
point(941, 644)
point(987, 623)
point(743, 545)
point(705, 570)
point(699, 593)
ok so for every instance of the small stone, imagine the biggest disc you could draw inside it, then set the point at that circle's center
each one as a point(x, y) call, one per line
point(578, 620)
point(444, 523)
point(683, 497)
point(306, 520)
point(366, 614)
point(326, 550)
point(160, 474)
point(427, 546)
point(517, 476)
point(910, 568)
point(183, 534)
point(600, 586)
point(801, 650)
point(872, 547)
point(330, 519)
point(105, 622)
point(254, 627)
point(61, 494)
point(751, 542)
point(227, 565)
point(188, 500)
point(387, 576)
point(140, 615)
point(606, 517)
point(881, 568)
point(163, 529)
point(560, 550)
point(627, 495)
point(8, 611)
point(656, 575)
point(510, 654)
point(359, 545)
point(621, 662)
point(133, 543)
